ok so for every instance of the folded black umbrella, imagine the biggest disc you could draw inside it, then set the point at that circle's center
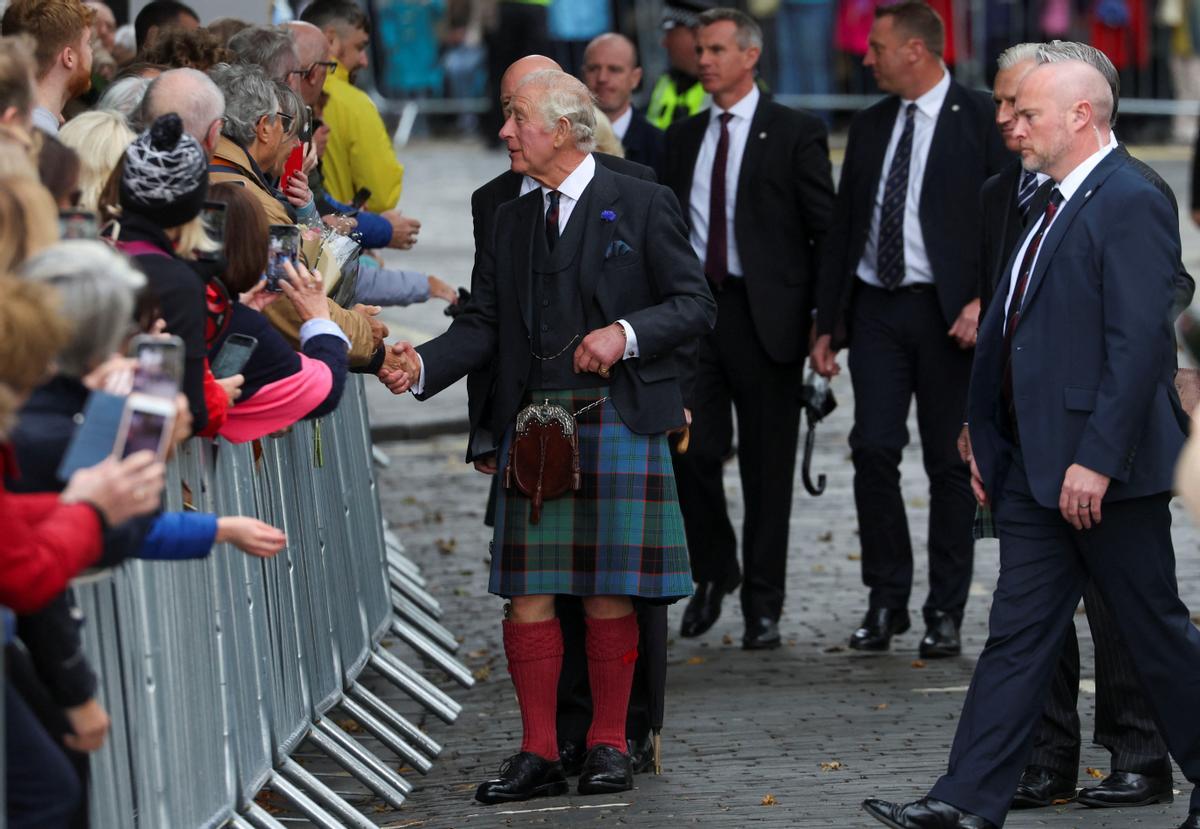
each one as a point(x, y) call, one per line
point(817, 398)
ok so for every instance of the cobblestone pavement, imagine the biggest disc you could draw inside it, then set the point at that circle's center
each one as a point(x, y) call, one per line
point(811, 728)
point(797, 737)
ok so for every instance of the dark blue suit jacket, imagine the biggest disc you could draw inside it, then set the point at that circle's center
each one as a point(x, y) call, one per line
point(1094, 353)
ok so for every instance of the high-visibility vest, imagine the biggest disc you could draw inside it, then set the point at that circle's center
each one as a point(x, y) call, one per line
point(665, 99)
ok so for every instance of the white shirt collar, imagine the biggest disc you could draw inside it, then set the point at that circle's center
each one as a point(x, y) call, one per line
point(930, 104)
point(573, 185)
point(621, 125)
point(743, 108)
point(1072, 180)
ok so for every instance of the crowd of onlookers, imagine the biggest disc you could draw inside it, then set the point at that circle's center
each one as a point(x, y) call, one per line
point(146, 190)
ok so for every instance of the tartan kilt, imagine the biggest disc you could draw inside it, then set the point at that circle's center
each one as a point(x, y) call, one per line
point(620, 534)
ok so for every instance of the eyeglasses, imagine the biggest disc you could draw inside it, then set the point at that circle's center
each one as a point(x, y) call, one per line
point(287, 120)
point(330, 66)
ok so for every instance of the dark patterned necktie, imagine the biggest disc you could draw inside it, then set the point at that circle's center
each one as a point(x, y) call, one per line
point(889, 250)
point(716, 252)
point(1013, 314)
point(1029, 186)
point(552, 220)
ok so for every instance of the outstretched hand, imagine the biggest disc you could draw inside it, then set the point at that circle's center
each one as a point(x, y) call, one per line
point(401, 368)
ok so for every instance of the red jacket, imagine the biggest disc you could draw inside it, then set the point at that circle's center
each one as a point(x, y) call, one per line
point(44, 544)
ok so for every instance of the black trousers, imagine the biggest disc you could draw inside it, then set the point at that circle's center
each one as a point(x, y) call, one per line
point(899, 350)
point(1124, 720)
point(41, 787)
point(574, 692)
point(1044, 566)
point(735, 372)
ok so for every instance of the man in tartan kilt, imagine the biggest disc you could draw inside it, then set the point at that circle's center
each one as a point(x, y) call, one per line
point(584, 295)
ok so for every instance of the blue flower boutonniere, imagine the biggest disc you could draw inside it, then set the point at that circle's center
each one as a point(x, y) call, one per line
point(608, 216)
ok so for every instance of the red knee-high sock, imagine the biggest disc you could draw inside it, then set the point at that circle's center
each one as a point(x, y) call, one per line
point(535, 654)
point(611, 654)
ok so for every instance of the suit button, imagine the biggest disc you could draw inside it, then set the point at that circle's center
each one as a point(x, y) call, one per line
point(545, 303)
point(545, 328)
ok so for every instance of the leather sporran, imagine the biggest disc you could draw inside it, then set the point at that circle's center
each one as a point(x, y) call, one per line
point(543, 459)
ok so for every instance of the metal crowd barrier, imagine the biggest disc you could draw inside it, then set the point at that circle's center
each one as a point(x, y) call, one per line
point(215, 671)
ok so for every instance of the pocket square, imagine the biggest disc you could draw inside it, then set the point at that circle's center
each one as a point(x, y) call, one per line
point(616, 248)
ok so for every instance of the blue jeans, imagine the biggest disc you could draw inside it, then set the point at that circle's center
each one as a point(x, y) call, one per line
point(805, 35)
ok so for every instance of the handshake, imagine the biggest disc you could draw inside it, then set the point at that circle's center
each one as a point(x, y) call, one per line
point(401, 368)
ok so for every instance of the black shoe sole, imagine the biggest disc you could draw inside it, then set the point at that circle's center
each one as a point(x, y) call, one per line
point(545, 790)
point(885, 821)
point(940, 653)
point(1165, 797)
point(1020, 803)
point(761, 646)
point(604, 788)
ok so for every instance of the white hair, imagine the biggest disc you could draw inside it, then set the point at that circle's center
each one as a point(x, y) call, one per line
point(249, 96)
point(97, 288)
point(1019, 53)
point(124, 97)
point(564, 97)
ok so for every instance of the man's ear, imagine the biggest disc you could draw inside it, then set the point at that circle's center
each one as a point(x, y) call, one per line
point(636, 76)
point(214, 135)
point(10, 115)
point(67, 57)
point(262, 130)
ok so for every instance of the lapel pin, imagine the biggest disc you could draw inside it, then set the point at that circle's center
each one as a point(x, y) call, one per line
point(762, 135)
point(607, 216)
point(954, 107)
point(1088, 194)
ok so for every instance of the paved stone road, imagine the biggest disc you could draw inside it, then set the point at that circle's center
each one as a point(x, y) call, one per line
point(810, 729)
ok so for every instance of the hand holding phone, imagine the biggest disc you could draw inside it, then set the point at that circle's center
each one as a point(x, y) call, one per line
point(283, 246)
point(234, 355)
point(159, 369)
point(147, 424)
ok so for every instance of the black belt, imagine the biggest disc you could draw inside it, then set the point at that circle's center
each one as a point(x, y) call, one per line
point(913, 288)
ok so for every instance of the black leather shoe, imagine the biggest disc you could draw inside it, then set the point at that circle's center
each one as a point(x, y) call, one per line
point(941, 636)
point(878, 627)
point(641, 754)
point(1124, 788)
point(926, 813)
point(704, 608)
point(570, 755)
point(605, 771)
point(523, 776)
point(1193, 820)
point(762, 634)
point(1040, 787)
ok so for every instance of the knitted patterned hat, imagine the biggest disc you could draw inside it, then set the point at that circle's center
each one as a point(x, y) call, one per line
point(166, 174)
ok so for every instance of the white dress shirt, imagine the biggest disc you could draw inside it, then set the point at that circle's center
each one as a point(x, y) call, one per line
point(1068, 187)
point(569, 192)
point(739, 132)
point(621, 124)
point(916, 259)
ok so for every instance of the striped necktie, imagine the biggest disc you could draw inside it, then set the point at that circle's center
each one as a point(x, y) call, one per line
point(889, 249)
point(1029, 186)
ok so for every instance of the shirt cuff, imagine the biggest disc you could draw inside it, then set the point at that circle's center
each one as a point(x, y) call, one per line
point(631, 343)
point(419, 386)
point(316, 327)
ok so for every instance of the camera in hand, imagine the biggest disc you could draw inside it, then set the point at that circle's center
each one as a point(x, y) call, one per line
point(456, 308)
point(283, 245)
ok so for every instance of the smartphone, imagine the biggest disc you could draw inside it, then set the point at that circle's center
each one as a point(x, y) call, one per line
point(159, 370)
point(77, 224)
point(283, 244)
point(213, 216)
point(295, 161)
point(361, 198)
point(146, 423)
point(234, 355)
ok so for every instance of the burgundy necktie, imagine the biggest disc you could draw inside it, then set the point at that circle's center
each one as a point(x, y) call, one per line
point(716, 254)
point(552, 219)
point(1013, 317)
